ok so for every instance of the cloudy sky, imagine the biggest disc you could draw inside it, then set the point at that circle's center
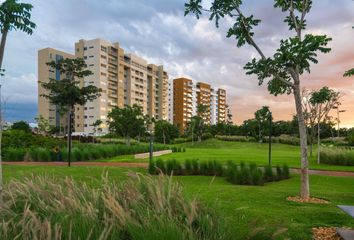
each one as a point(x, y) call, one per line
point(158, 31)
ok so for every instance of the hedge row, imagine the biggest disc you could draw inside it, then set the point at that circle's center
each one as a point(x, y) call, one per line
point(338, 156)
point(284, 139)
point(242, 175)
point(80, 153)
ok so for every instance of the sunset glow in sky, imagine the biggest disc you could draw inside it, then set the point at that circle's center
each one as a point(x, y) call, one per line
point(158, 31)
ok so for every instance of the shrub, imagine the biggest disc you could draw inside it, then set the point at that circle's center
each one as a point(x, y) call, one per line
point(337, 156)
point(286, 172)
point(152, 167)
point(350, 138)
point(140, 208)
point(235, 138)
point(268, 173)
point(160, 165)
point(14, 154)
point(188, 167)
point(195, 166)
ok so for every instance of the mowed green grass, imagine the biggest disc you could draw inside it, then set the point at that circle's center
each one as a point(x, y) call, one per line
point(223, 151)
point(251, 212)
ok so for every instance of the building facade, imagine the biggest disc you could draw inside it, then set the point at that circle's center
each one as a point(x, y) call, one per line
point(198, 99)
point(125, 79)
point(49, 111)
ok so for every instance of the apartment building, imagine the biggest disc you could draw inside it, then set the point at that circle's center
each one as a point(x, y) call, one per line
point(125, 79)
point(49, 111)
point(188, 99)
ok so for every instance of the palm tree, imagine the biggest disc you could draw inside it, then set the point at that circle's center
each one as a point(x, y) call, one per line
point(13, 16)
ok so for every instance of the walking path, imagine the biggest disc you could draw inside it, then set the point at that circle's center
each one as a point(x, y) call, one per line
point(145, 165)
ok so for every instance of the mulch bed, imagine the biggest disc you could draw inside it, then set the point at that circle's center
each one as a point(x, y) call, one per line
point(307, 200)
point(325, 233)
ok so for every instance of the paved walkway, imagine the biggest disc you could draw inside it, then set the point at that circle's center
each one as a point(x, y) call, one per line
point(145, 165)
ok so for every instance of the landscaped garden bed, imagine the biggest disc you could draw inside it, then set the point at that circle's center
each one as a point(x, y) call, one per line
point(243, 174)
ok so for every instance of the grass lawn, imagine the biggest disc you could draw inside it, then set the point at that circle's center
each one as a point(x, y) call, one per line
point(214, 149)
point(252, 212)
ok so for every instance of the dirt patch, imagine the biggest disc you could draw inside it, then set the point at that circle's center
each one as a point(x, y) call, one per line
point(307, 200)
point(325, 233)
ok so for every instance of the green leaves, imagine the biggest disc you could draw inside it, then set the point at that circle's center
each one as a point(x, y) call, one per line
point(126, 121)
point(292, 56)
point(349, 73)
point(14, 15)
point(194, 6)
point(242, 29)
point(67, 92)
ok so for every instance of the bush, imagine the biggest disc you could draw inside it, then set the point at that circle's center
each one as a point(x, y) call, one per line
point(14, 154)
point(181, 140)
point(350, 138)
point(140, 208)
point(268, 173)
point(236, 138)
point(337, 156)
point(244, 174)
point(253, 175)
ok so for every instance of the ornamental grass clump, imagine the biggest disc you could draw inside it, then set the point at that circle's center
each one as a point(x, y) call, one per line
point(338, 156)
point(142, 207)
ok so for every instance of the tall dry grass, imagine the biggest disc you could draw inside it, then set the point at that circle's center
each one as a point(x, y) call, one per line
point(142, 207)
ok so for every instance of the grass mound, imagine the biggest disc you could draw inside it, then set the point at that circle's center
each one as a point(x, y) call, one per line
point(140, 208)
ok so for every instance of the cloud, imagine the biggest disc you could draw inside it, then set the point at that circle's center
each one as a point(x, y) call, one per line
point(159, 32)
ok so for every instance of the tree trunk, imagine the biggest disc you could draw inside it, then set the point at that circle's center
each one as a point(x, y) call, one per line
point(2, 50)
point(69, 135)
point(127, 140)
point(305, 186)
point(311, 141)
point(318, 142)
point(2, 45)
point(164, 137)
point(1, 128)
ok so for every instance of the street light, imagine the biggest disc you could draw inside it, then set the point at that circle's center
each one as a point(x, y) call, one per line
point(338, 121)
point(270, 138)
point(151, 146)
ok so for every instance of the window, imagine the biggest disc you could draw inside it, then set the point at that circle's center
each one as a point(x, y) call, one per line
point(104, 49)
point(77, 49)
point(50, 56)
point(85, 125)
point(85, 48)
point(90, 47)
point(85, 57)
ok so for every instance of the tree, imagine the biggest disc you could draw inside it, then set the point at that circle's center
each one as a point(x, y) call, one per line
point(43, 125)
point(96, 126)
point(283, 70)
point(13, 16)
point(67, 92)
point(165, 131)
point(126, 121)
point(262, 116)
point(197, 127)
point(22, 125)
point(323, 100)
point(310, 115)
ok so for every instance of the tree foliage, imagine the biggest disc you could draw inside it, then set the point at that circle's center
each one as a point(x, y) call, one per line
point(67, 92)
point(127, 122)
point(262, 117)
point(14, 15)
point(21, 125)
point(165, 132)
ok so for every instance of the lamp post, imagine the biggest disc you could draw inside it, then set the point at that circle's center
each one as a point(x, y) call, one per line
point(270, 138)
point(338, 121)
point(151, 147)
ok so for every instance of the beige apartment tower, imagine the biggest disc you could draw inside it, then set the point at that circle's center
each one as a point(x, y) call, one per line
point(49, 111)
point(125, 79)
